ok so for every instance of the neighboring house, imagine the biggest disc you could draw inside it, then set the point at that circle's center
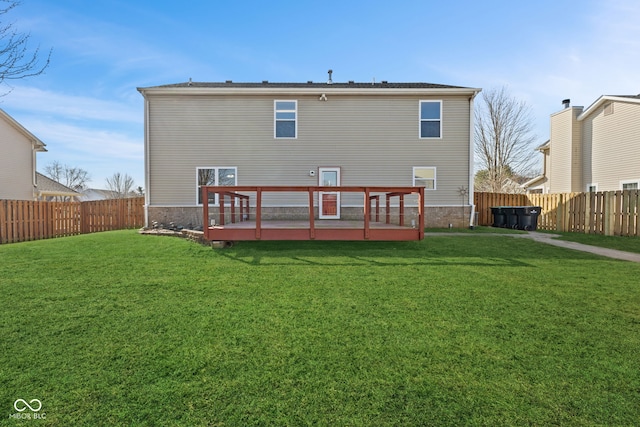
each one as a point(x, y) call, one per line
point(90, 194)
point(48, 189)
point(307, 134)
point(593, 149)
point(18, 148)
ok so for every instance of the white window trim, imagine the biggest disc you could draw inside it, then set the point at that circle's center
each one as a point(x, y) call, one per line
point(630, 181)
point(216, 201)
point(592, 185)
point(275, 121)
point(435, 177)
point(420, 119)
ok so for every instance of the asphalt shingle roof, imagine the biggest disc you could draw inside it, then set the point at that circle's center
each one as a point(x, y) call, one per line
point(348, 85)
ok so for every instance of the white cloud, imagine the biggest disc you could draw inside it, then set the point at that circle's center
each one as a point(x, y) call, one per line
point(94, 142)
point(72, 107)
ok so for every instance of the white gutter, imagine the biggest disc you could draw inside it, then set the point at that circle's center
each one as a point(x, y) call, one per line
point(313, 90)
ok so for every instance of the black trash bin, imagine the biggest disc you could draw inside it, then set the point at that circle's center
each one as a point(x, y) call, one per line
point(528, 217)
point(499, 216)
point(512, 216)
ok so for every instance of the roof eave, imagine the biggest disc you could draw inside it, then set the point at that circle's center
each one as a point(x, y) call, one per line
point(37, 144)
point(602, 100)
point(315, 90)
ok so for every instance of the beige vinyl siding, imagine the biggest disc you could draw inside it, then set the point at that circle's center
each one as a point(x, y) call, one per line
point(565, 163)
point(16, 164)
point(373, 139)
point(615, 141)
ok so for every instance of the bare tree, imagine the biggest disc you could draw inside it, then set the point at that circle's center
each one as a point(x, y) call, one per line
point(16, 62)
point(73, 177)
point(503, 138)
point(120, 185)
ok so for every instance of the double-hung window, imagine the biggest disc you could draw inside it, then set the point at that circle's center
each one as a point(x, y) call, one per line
point(214, 176)
point(430, 119)
point(285, 118)
point(424, 176)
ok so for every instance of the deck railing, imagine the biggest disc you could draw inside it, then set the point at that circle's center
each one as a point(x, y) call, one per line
point(235, 200)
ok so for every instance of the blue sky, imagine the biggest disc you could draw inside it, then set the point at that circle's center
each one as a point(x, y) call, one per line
point(88, 112)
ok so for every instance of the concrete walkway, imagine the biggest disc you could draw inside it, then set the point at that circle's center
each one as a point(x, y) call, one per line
point(550, 239)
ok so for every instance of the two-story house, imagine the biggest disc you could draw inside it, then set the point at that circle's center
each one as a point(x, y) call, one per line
point(18, 148)
point(592, 149)
point(306, 134)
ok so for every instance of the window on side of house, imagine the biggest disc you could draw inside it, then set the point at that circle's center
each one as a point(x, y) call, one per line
point(424, 176)
point(430, 119)
point(592, 188)
point(214, 176)
point(285, 119)
point(630, 185)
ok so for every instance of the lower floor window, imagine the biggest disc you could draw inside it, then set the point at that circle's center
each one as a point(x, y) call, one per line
point(424, 176)
point(631, 185)
point(214, 176)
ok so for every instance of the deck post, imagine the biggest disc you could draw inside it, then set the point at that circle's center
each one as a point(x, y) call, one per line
point(204, 193)
point(387, 200)
point(367, 213)
point(421, 212)
point(232, 198)
point(401, 209)
point(258, 212)
point(221, 206)
point(312, 224)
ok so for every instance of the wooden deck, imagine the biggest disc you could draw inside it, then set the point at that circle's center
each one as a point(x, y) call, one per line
point(236, 224)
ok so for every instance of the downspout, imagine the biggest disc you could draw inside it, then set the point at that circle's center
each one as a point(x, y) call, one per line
point(33, 170)
point(146, 161)
point(471, 159)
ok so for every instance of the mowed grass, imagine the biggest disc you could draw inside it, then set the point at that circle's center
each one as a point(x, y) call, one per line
point(122, 329)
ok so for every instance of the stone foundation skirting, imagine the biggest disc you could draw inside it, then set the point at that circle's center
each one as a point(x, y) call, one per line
point(191, 217)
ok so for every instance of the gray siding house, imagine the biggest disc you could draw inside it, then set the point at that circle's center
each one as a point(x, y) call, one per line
point(308, 134)
point(592, 149)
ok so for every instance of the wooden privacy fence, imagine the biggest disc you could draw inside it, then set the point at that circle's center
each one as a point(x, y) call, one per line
point(612, 213)
point(22, 220)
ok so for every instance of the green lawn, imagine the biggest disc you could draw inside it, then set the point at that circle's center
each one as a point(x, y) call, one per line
point(121, 329)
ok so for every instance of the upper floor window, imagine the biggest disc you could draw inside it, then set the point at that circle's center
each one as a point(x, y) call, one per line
point(424, 176)
point(430, 119)
point(285, 117)
point(214, 176)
